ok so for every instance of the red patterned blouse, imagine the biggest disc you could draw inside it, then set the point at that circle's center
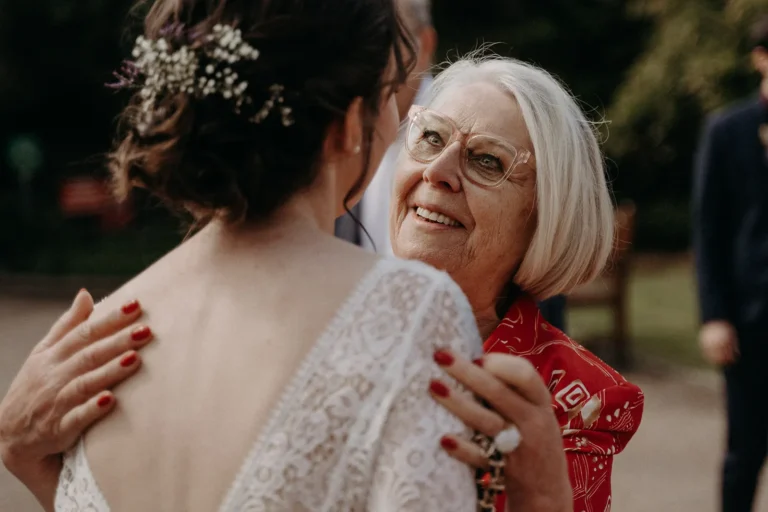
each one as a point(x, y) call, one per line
point(598, 410)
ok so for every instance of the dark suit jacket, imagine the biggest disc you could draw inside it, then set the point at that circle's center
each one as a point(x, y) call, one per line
point(730, 219)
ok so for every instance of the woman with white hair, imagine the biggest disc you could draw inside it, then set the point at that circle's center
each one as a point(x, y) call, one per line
point(501, 184)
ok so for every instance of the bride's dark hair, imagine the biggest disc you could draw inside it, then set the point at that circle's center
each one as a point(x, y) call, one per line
point(200, 155)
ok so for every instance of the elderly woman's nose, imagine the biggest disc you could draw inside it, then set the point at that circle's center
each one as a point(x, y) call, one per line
point(443, 172)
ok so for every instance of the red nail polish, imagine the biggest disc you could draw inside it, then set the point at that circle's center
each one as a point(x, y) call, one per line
point(128, 360)
point(478, 362)
point(104, 401)
point(448, 444)
point(141, 333)
point(130, 307)
point(443, 358)
point(439, 388)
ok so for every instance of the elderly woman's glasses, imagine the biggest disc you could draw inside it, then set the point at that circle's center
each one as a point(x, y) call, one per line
point(486, 161)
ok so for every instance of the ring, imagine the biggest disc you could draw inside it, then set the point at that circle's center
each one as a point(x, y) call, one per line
point(508, 439)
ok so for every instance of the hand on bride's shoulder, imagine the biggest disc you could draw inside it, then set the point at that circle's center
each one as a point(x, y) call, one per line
point(518, 419)
point(64, 387)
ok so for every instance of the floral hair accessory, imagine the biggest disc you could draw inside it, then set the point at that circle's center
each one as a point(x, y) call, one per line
point(197, 71)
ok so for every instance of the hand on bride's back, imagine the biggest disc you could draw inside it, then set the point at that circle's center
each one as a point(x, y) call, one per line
point(64, 387)
point(535, 470)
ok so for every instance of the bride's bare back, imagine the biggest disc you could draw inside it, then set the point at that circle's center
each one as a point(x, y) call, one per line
point(232, 325)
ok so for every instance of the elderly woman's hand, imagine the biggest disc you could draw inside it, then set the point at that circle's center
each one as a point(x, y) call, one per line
point(63, 388)
point(536, 474)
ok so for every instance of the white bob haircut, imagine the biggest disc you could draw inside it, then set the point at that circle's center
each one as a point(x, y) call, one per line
point(574, 230)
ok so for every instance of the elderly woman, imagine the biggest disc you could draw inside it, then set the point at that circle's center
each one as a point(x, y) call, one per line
point(501, 184)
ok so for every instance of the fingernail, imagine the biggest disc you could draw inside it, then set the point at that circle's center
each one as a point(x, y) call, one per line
point(448, 444)
point(104, 401)
point(128, 360)
point(478, 362)
point(141, 333)
point(130, 307)
point(439, 389)
point(443, 358)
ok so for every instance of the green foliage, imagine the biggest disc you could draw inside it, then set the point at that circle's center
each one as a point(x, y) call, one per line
point(695, 62)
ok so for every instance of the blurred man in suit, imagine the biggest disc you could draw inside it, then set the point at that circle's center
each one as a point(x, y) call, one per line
point(730, 233)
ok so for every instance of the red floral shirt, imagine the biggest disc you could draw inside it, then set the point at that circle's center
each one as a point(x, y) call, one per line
point(598, 410)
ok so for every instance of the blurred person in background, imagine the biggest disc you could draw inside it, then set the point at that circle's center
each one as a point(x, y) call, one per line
point(730, 234)
point(372, 211)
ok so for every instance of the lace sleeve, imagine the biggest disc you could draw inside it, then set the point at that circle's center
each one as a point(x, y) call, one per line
point(412, 471)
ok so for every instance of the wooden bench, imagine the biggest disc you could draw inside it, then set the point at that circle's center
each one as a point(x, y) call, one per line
point(611, 288)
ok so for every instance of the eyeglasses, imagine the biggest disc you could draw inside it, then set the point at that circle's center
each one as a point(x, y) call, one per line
point(486, 161)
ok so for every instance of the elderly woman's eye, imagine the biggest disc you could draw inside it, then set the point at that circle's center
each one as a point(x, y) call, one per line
point(488, 162)
point(431, 137)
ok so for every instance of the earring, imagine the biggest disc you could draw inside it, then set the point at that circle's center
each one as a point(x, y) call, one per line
point(356, 150)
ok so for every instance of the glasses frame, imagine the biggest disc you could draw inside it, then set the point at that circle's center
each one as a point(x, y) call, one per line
point(522, 156)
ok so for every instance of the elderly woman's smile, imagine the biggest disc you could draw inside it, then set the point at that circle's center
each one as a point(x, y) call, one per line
point(464, 191)
point(433, 215)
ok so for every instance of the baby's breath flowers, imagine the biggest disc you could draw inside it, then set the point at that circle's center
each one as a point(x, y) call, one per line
point(178, 71)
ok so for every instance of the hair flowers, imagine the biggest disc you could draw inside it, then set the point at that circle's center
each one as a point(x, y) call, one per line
point(200, 72)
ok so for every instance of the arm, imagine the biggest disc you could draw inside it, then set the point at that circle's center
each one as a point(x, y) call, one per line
point(412, 472)
point(710, 225)
point(592, 438)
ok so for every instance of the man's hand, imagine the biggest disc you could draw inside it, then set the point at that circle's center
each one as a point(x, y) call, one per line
point(719, 342)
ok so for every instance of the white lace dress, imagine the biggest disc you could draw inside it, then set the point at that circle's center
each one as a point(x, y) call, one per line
point(355, 429)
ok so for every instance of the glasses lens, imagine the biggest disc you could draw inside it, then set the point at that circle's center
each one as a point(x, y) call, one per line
point(489, 160)
point(428, 136)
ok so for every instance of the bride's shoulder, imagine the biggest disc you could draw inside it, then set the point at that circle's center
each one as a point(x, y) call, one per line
point(421, 275)
point(439, 313)
point(431, 292)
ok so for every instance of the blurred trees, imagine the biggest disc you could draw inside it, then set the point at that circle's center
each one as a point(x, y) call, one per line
point(696, 61)
point(652, 68)
point(55, 56)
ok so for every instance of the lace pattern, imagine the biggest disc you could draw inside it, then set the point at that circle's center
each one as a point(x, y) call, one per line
point(77, 490)
point(355, 429)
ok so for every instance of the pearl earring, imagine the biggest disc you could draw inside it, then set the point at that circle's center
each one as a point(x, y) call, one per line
point(356, 150)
